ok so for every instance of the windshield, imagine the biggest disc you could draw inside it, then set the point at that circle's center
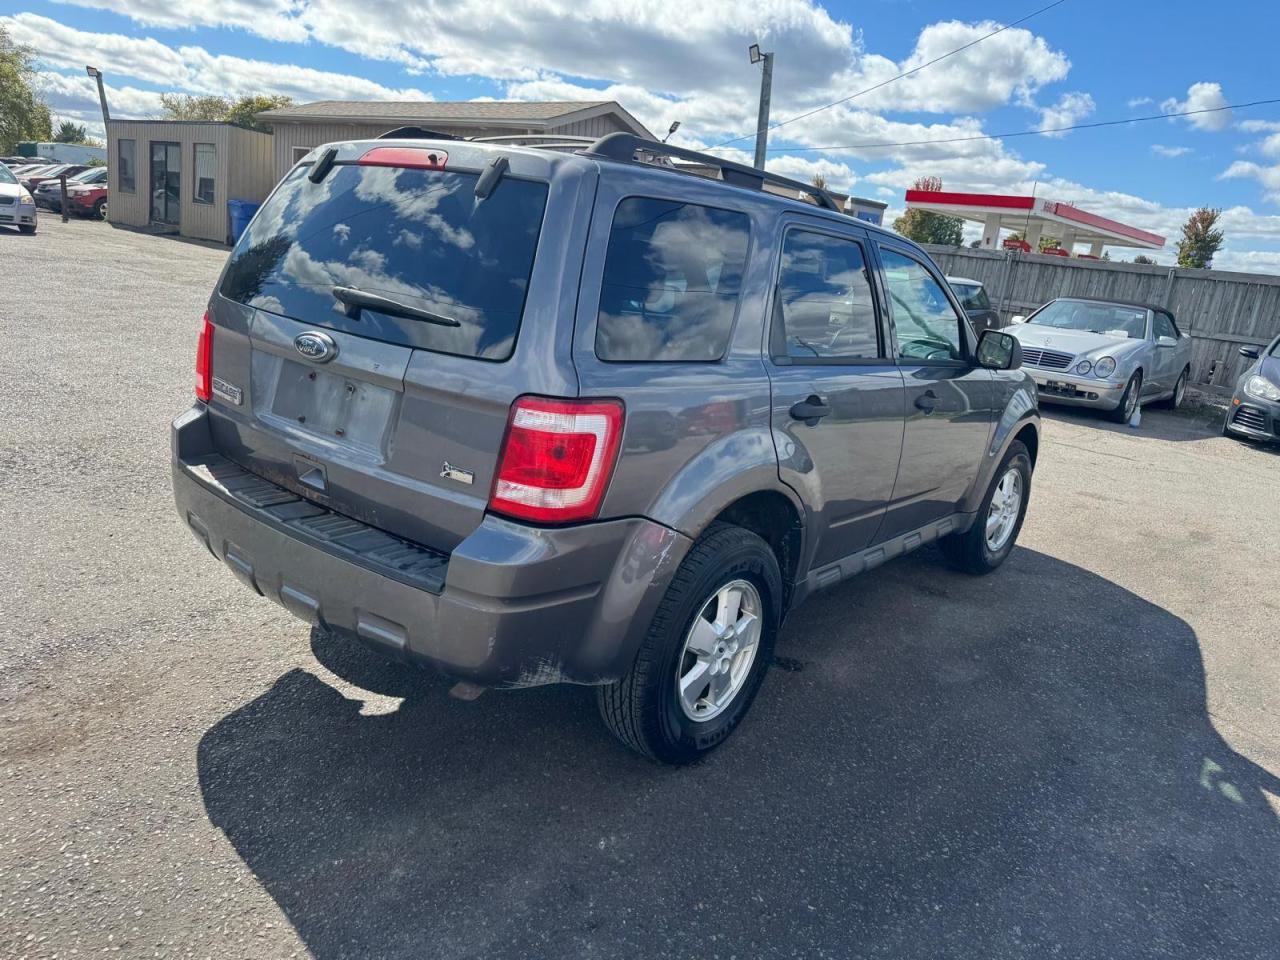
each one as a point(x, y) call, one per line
point(92, 175)
point(418, 237)
point(973, 296)
point(1110, 319)
point(6, 176)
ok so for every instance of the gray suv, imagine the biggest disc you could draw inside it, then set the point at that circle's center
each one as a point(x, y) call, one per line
point(531, 416)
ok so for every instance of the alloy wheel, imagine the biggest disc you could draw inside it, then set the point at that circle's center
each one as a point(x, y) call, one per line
point(719, 651)
point(1002, 515)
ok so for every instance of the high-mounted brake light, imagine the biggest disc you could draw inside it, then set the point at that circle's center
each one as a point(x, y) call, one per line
point(556, 459)
point(204, 360)
point(424, 158)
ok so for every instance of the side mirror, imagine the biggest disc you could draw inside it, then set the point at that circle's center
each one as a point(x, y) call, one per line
point(999, 351)
point(1250, 353)
point(1019, 319)
point(1166, 342)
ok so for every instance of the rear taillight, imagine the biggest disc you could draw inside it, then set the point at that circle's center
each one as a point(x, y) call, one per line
point(556, 459)
point(204, 361)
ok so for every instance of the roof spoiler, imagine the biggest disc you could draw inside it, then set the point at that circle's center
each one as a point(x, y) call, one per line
point(623, 147)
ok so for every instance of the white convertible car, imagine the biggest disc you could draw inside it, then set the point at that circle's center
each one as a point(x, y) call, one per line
point(1104, 354)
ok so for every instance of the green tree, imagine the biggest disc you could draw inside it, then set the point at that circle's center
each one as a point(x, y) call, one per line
point(1143, 258)
point(185, 106)
point(242, 112)
point(69, 132)
point(1200, 240)
point(925, 227)
point(23, 113)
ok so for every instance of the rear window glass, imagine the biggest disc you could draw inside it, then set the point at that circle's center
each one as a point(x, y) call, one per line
point(972, 296)
point(672, 276)
point(419, 237)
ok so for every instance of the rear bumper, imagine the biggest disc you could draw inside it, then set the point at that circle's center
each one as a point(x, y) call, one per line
point(512, 605)
point(1059, 387)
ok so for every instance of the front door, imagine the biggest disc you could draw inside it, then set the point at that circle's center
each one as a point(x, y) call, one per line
point(948, 398)
point(837, 394)
point(166, 182)
point(1168, 359)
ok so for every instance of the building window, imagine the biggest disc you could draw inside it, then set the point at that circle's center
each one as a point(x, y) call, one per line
point(206, 170)
point(126, 163)
point(300, 152)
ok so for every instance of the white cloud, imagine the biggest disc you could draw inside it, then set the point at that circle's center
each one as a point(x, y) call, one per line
point(1248, 261)
point(1138, 102)
point(1269, 177)
point(188, 68)
point(1260, 126)
point(1202, 96)
point(1161, 150)
point(1070, 109)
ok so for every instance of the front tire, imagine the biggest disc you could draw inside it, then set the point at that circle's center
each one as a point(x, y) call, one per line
point(1129, 402)
point(694, 677)
point(100, 210)
point(26, 228)
point(988, 543)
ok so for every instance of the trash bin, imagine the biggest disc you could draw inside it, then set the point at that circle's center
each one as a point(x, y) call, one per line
point(241, 212)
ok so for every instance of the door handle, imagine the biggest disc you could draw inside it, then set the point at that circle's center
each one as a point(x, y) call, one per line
point(927, 401)
point(811, 409)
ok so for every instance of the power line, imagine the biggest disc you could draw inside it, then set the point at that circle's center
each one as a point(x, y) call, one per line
point(885, 83)
point(1022, 133)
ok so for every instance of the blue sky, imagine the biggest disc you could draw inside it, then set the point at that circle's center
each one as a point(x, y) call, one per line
point(1083, 60)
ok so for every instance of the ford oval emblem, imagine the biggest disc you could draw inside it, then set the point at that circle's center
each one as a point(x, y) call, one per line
point(315, 346)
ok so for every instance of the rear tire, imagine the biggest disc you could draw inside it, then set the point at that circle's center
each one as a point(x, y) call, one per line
point(1132, 394)
point(645, 709)
point(1179, 390)
point(981, 548)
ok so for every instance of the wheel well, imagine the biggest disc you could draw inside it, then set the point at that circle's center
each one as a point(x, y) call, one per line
point(1031, 440)
point(773, 518)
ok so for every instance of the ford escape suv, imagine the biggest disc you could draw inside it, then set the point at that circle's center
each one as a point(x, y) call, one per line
point(533, 415)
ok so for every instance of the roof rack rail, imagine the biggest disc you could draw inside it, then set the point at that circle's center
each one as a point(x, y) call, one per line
point(623, 147)
point(416, 133)
point(547, 141)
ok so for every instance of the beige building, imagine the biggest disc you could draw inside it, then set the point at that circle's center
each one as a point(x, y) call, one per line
point(298, 129)
point(177, 175)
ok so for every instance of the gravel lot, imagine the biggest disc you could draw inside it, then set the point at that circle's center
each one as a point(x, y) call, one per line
point(1076, 757)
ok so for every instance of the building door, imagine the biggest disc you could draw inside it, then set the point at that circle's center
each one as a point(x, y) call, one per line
point(166, 182)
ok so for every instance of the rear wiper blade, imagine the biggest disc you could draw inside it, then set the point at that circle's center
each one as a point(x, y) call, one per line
point(356, 300)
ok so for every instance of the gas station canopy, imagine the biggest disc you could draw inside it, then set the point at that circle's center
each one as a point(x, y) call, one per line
point(1035, 218)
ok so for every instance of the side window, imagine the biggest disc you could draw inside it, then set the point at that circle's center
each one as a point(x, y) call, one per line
point(825, 305)
point(928, 327)
point(126, 149)
point(1165, 327)
point(672, 275)
point(206, 166)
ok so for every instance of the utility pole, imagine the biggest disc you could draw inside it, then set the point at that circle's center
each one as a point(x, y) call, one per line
point(102, 97)
point(766, 92)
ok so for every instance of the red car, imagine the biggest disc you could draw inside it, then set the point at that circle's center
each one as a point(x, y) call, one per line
point(86, 194)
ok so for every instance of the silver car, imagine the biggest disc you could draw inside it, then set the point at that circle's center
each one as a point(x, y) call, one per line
point(1105, 354)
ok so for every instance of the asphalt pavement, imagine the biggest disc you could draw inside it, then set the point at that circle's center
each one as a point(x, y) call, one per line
point(1078, 756)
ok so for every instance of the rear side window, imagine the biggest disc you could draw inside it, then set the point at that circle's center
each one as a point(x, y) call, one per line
point(672, 276)
point(418, 237)
point(824, 298)
point(972, 296)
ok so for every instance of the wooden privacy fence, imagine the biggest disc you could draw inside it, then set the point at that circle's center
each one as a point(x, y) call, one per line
point(1222, 311)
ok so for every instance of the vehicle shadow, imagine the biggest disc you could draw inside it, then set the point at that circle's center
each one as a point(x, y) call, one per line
point(1018, 765)
point(1158, 422)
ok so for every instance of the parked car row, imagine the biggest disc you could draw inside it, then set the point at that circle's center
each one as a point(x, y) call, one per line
point(1113, 355)
point(40, 182)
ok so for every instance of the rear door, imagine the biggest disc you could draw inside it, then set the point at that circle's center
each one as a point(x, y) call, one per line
point(837, 394)
point(393, 411)
point(948, 398)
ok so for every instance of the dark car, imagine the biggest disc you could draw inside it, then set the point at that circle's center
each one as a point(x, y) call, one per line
point(33, 179)
point(1255, 406)
point(973, 297)
point(528, 417)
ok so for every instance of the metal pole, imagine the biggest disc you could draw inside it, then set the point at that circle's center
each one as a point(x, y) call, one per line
point(102, 98)
point(762, 123)
point(62, 180)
